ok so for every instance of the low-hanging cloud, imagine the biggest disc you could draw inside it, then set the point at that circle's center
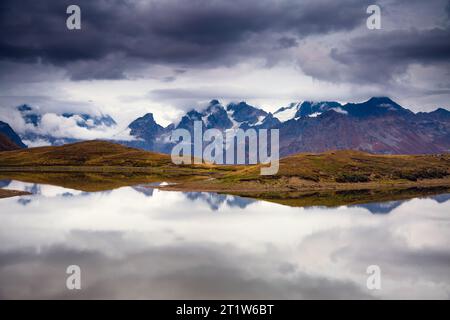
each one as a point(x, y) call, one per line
point(58, 126)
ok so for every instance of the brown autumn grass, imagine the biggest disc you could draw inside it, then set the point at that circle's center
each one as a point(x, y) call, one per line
point(99, 165)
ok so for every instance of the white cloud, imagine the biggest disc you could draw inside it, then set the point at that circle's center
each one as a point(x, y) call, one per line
point(36, 143)
point(58, 126)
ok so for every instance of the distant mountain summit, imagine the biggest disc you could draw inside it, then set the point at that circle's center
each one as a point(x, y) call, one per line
point(378, 125)
point(287, 113)
point(145, 127)
point(215, 115)
point(306, 109)
point(313, 109)
point(147, 133)
point(377, 106)
point(245, 115)
point(372, 107)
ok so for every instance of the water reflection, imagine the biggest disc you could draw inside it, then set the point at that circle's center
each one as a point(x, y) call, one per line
point(215, 201)
point(136, 242)
point(4, 183)
point(381, 207)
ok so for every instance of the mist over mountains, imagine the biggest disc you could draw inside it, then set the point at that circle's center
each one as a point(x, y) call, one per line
point(378, 125)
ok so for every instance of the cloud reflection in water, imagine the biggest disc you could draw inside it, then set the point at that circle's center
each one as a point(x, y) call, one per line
point(137, 243)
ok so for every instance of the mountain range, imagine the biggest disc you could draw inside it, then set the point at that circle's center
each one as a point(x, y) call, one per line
point(378, 125)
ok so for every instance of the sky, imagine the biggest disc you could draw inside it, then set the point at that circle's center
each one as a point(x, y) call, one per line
point(169, 56)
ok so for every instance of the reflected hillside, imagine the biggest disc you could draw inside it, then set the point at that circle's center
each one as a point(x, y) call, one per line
point(213, 200)
point(330, 179)
point(101, 182)
point(174, 241)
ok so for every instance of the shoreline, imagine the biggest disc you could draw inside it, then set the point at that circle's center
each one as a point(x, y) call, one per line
point(288, 191)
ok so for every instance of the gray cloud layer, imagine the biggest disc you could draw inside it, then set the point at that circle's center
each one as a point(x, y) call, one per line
point(326, 40)
point(173, 31)
point(378, 57)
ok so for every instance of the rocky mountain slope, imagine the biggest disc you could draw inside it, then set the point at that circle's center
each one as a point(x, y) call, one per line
point(378, 125)
point(9, 140)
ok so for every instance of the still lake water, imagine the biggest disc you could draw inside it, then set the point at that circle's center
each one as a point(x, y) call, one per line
point(136, 242)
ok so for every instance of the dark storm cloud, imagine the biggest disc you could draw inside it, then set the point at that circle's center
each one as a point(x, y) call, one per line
point(287, 42)
point(117, 33)
point(378, 57)
point(447, 8)
point(411, 45)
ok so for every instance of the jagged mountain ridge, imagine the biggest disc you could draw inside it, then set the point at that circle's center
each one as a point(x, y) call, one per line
point(378, 125)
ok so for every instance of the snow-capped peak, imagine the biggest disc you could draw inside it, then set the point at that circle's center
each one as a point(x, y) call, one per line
point(287, 113)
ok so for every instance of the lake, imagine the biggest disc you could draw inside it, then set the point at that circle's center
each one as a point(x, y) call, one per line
point(139, 242)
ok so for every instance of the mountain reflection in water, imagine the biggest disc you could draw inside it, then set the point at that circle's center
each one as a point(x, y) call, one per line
point(138, 242)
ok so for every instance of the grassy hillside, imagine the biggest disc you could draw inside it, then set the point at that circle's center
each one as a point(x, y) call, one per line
point(89, 153)
point(301, 174)
point(354, 166)
point(329, 167)
point(98, 165)
point(98, 156)
point(335, 178)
